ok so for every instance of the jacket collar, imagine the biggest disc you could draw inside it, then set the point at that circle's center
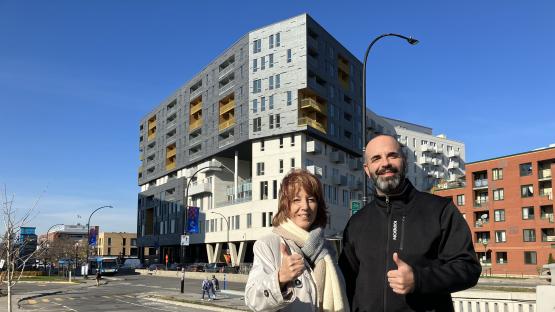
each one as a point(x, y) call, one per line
point(405, 193)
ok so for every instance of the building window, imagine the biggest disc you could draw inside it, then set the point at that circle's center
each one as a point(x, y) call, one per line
point(262, 145)
point(263, 63)
point(249, 220)
point(263, 219)
point(271, 60)
point(271, 42)
point(500, 237)
point(260, 168)
point(278, 40)
point(530, 257)
point(499, 215)
point(278, 81)
point(527, 213)
point(498, 194)
point(271, 121)
point(256, 86)
point(548, 234)
point(263, 190)
point(292, 162)
point(460, 200)
point(262, 103)
point(109, 251)
point(497, 174)
point(124, 241)
point(237, 222)
point(288, 55)
point(274, 189)
point(292, 140)
point(278, 121)
point(501, 257)
point(525, 169)
point(289, 98)
point(254, 105)
point(281, 166)
point(256, 124)
point(280, 142)
point(527, 190)
point(271, 82)
point(256, 46)
point(254, 65)
point(109, 241)
point(271, 102)
point(529, 235)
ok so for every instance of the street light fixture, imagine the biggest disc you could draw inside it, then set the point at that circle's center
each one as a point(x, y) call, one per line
point(88, 235)
point(411, 41)
point(48, 245)
point(227, 227)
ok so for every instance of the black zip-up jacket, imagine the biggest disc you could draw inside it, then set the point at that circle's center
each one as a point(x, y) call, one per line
point(429, 234)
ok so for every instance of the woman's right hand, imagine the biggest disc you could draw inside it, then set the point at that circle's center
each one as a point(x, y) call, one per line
point(292, 266)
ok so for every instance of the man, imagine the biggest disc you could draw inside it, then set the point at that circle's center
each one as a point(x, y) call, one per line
point(182, 279)
point(406, 250)
point(206, 288)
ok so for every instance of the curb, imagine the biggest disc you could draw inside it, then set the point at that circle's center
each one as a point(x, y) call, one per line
point(208, 307)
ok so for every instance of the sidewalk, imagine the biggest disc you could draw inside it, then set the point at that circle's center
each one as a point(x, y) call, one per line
point(226, 300)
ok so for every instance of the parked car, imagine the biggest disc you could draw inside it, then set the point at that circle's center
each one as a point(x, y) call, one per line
point(175, 267)
point(215, 267)
point(131, 263)
point(195, 267)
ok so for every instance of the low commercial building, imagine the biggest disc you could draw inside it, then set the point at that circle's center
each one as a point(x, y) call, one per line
point(121, 244)
point(508, 204)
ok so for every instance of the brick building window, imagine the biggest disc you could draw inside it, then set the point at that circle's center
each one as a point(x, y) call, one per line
point(529, 235)
point(525, 169)
point(498, 194)
point(497, 174)
point(527, 213)
point(499, 215)
point(527, 190)
point(530, 257)
point(501, 257)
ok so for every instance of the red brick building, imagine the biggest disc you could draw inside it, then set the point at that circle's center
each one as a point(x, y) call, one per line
point(508, 204)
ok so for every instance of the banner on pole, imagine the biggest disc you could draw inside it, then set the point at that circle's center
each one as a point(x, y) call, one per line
point(192, 220)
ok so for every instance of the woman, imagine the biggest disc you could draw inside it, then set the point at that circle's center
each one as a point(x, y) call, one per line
point(294, 268)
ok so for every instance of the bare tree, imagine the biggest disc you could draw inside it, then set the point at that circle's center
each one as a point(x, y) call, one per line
point(13, 243)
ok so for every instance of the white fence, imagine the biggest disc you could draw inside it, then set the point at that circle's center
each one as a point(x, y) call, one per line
point(493, 301)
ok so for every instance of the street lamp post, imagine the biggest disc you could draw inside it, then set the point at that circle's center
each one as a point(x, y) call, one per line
point(88, 235)
point(48, 245)
point(410, 40)
point(227, 227)
point(215, 168)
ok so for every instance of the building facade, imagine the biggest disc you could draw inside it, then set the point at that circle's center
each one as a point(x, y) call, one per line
point(508, 204)
point(120, 244)
point(284, 96)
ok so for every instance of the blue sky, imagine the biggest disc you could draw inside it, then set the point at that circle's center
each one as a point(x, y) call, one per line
point(76, 77)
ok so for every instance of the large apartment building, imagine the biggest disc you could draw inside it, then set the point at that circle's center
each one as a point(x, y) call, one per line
point(120, 244)
point(284, 96)
point(508, 204)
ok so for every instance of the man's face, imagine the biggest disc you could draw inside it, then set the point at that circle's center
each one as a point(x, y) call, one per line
point(385, 164)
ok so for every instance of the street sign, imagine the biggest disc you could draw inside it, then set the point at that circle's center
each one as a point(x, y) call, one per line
point(355, 205)
point(184, 240)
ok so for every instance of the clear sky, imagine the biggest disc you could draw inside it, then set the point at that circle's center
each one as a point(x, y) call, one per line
point(77, 76)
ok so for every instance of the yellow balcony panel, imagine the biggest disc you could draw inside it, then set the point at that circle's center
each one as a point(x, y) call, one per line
point(343, 65)
point(310, 103)
point(151, 136)
point(226, 124)
point(195, 124)
point(170, 166)
point(195, 108)
point(170, 153)
point(227, 107)
point(151, 125)
point(313, 123)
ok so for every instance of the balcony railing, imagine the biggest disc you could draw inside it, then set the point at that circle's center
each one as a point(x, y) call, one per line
point(195, 108)
point(227, 87)
point(305, 121)
point(480, 183)
point(480, 203)
point(315, 170)
point(226, 141)
point(474, 301)
point(313, 147)
point(195, 124)
point(227, 107)
point(226, 71)
point(226, 124)
point(544, 174)
point(311, 103)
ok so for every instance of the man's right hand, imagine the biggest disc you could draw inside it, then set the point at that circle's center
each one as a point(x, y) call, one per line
point(292, 266)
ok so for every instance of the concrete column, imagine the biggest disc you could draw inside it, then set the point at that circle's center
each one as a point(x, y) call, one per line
point(218, 253)
point(233, 254)
point(210, 252)
point(235, 175)
point(242, 250)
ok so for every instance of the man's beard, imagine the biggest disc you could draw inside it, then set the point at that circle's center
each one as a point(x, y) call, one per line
point(387, 185)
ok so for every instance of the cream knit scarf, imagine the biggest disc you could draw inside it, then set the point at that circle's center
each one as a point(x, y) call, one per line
point(330, 285)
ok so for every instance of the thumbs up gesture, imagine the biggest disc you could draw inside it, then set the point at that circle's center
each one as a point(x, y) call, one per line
point(292, 266)
point(402, 279)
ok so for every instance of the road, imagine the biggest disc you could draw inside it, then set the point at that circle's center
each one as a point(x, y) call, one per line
point(127, 293)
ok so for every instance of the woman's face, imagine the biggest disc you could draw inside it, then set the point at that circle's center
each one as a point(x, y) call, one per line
point(303, 209)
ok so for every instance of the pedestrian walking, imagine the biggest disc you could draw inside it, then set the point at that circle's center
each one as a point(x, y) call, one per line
point(215, 283)
point(182, 279)
point(206, 288)
point(98, 277)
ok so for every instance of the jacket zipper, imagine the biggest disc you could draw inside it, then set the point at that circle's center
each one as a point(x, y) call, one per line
point(386, 284)
point(402, 233)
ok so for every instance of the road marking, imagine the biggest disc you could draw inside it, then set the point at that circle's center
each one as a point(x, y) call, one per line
point(155, 286)
point(45, 300)
point(141, 305)
point(70, 309)
point(31, 301)
point(107, 297)
point(71, 298)
point(129, 296)
point(58, 299)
